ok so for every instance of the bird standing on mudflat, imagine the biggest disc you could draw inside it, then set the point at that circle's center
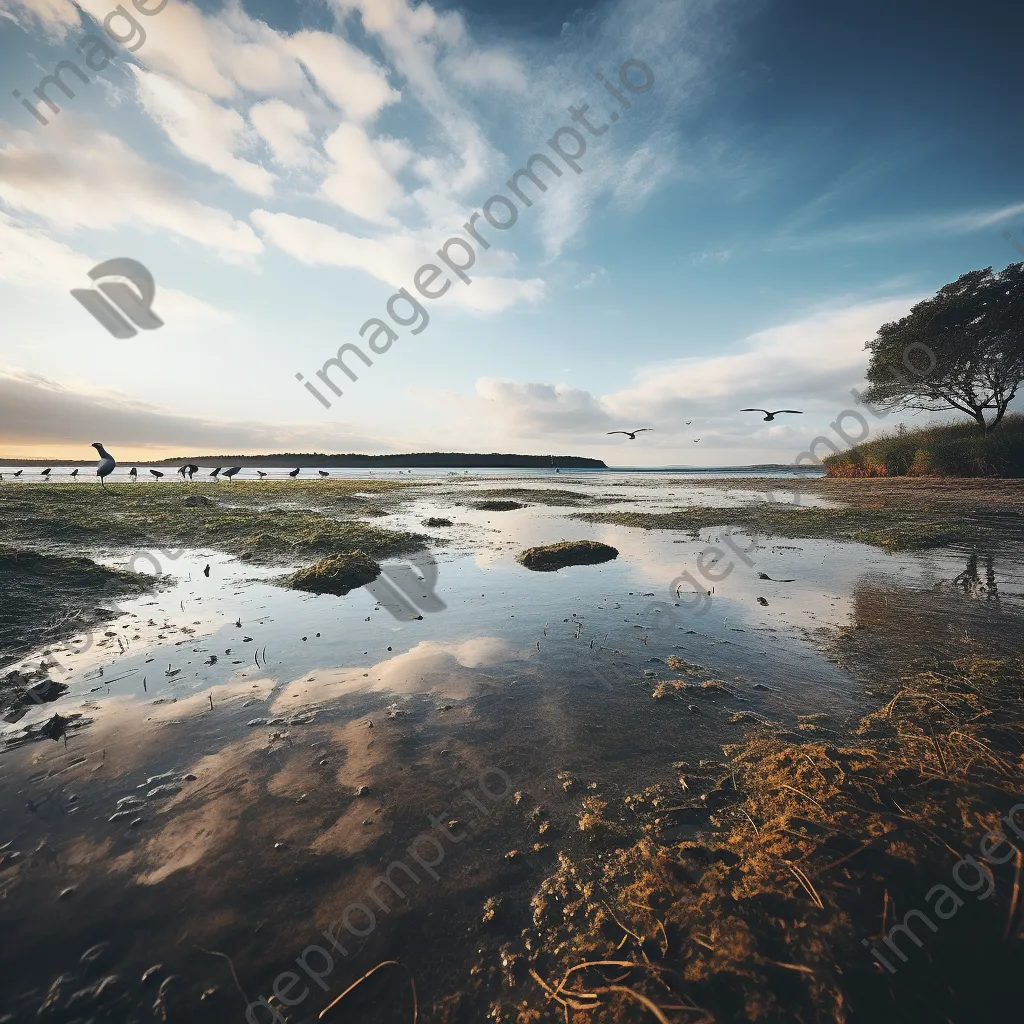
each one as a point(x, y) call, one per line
point(156, 474)
point(323, 472)
point(106, 465)
point(74, 475)
point(229, 473)
point(260, 474)
point(769, 416)
point(294, 473)
point(134, 474)
point(46, 473)
point(216, 473)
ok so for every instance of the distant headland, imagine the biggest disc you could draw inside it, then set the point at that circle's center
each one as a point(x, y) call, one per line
point(317, 460)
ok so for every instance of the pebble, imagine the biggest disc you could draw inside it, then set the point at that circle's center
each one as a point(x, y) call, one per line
point(692, 708)
point(362, 791)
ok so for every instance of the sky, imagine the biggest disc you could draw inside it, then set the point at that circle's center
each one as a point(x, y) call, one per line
point(779, 179)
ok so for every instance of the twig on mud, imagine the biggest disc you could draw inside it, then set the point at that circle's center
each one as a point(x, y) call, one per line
point(231, 965)
point(373, 970)
point(1016, 894)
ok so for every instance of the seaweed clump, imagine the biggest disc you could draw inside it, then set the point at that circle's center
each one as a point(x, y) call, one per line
point(876, 879)
point(435, 521)
point(552, 557)
point(497, 506)
point(336, 574)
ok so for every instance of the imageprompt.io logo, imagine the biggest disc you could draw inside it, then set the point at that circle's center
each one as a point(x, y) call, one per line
point(132, 303)
point(407, 591)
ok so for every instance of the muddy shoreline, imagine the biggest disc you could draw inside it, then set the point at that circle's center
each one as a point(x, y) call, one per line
point(597, 715)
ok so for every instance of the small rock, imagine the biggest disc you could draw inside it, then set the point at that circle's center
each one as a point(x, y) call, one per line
point(692, 708)
point(362, 791)
point(66, 894)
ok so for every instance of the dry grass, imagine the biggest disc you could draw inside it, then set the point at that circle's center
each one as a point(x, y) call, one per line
point(814, 847)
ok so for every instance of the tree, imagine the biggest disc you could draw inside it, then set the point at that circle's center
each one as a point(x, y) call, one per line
point(962, 349)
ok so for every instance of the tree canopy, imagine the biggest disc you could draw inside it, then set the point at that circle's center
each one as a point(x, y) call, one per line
point(962, 349)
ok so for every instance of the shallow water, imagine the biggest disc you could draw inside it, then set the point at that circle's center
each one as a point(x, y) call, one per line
point(258, 702)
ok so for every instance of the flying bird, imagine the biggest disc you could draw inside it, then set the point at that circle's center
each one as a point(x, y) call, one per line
point(215, 473)
point(323, 472)
point(769, 416)
point(294, 473)
point(106, 465)
point(229, 473)
point(133, 473)
point(631, 434)
point(696, 440)
point(156, 474)
point(688, 422)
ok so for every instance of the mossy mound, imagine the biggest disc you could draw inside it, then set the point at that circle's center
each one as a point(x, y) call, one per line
point(335, 574)
point(435, 522)
point(497, 506)
point(552, 557)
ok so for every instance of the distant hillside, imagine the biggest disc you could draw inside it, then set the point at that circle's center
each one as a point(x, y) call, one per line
point(956, 449)
point(315, 460)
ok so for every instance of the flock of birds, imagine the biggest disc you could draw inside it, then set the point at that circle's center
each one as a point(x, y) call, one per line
point(108, 464)
point(768, 417)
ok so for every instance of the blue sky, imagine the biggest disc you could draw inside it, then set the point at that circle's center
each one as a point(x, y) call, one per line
point(796, 175)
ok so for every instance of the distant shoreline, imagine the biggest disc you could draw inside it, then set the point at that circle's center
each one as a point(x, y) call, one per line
point(316, 460)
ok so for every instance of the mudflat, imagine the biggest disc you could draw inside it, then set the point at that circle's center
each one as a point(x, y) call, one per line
point(764, 765)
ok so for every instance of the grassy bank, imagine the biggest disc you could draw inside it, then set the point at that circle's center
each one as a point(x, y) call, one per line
point(958, 449)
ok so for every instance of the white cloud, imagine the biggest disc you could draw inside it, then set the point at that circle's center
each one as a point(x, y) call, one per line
point(393, 260)
point(31, 259)
point(73, 178)
point(348, 76)
point(362, 177)
point(286, 131)
point(204, 131)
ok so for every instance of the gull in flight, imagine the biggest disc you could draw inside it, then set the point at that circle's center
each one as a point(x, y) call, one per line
point(107, 465)
point(631, 434)
point(769, 416)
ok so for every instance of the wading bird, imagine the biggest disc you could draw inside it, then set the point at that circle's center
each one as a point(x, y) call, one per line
point(260, 473)
point(106, 465)
point(191, 469)
point(134, 474)
point(74, 475)
point(631, 434)
point(229, 473)
point(20, 471)
point(46, 473)
point(155, 473)
point(215, 473)
point(294, 473)
point(769, 416)
point(323, 472)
